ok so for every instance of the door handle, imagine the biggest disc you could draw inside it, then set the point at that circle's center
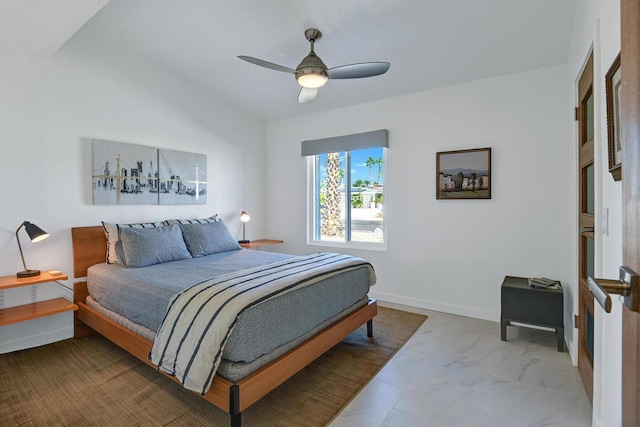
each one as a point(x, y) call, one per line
point(586, 230)
point(626, 287)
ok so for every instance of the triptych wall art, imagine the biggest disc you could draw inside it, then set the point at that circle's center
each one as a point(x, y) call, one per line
point(128, 174)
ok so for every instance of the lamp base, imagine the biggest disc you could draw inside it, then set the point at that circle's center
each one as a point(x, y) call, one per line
point(27, 273)
point(244, 241)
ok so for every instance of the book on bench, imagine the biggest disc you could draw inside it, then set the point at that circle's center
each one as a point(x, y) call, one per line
point(544, 283)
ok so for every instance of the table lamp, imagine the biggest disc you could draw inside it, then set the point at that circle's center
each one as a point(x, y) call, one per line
point(244, 217)
point(36, 234)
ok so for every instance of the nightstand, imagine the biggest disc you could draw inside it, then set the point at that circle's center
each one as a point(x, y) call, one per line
point(523, 304)
point(254, 244)
point(36, 308)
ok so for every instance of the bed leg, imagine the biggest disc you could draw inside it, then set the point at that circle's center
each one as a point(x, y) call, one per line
point(235, 420)
point(370, 328)
point(234, 405)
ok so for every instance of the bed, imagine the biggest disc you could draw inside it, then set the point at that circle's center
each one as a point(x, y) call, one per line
point(237, 383)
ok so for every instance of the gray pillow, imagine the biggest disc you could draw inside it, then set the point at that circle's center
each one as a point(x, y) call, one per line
point(112, 233)
point(148, 246)
point(212, 218)
point(206, 239)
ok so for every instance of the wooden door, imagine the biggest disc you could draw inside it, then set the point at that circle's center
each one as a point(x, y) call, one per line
point(630, 134)
point(586, 243)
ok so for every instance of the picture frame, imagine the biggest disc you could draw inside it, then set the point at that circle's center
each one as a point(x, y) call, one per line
point(132, 174)
point(463, 174)
point(613, 85)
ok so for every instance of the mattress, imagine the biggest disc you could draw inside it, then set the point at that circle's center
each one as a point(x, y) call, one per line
point(233, 371)
point(141, 295)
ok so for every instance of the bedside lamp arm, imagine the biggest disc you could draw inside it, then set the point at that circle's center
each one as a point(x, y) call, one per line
point(20, 246)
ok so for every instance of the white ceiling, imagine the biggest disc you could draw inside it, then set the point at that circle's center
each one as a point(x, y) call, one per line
point(429, 43)
point(38, 28)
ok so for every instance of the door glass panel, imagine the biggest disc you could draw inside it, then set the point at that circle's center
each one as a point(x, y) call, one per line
point(589, 256)
point(588, 336)
point(589, 190)
point(589, 123)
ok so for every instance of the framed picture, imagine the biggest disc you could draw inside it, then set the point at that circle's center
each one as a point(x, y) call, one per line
point(129, 174)
point(463, 174)
point(124, 174)
point(613, 84)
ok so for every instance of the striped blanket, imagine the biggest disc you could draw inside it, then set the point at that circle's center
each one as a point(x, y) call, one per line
point(199, 320)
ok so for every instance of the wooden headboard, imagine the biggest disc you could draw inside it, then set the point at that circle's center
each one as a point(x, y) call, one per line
point(89, 248)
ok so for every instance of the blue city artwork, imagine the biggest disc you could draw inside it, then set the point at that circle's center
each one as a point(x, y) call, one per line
point(183, 177)
point(124, 174)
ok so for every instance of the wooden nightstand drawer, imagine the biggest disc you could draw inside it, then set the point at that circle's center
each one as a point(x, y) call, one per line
point(253, 244)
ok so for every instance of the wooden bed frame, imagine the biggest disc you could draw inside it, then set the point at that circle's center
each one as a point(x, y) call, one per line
point(89, 248)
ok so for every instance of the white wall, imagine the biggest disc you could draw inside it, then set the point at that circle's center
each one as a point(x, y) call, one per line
point(50, 111)
point(452, 259)
point(597, 28)
point(454, 255)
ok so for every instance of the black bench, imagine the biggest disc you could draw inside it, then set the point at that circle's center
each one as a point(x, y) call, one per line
point(523, 304)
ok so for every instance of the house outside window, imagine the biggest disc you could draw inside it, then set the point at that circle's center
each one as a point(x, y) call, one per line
point(346, 178)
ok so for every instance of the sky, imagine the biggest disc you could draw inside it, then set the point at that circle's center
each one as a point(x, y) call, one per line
point(475, 160)
point(359, 169)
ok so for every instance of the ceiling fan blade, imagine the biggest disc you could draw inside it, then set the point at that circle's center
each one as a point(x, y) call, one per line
point(307, 95)
point(356, 71)
point(267, 64)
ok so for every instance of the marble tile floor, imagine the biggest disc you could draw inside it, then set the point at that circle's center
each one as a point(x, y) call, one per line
point(454, 371)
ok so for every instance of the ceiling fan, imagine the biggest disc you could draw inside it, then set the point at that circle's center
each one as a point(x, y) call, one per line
point(311, 73)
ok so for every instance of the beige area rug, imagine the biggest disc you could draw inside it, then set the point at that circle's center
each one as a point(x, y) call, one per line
point(92, 382)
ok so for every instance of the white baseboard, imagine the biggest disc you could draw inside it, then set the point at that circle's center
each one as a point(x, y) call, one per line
point(437, 306)
point(37, 340)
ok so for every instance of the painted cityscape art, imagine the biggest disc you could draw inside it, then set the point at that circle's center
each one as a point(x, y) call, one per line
point(183, 177)
point(463, 174)
point(126, 174)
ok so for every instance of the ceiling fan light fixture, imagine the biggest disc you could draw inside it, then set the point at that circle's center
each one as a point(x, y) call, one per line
point(312, 73)
point(312, 80)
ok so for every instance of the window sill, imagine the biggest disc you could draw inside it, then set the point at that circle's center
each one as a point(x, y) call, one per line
point(378, 247)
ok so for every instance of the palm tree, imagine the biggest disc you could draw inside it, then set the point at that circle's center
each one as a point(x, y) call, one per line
point(378, 162)
point(459, 181)
point(370, 162)
point(330, 224)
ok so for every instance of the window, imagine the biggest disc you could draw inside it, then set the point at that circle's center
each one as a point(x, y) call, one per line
point(346, 191)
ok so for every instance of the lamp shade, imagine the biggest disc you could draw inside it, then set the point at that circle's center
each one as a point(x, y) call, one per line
point(312, 80)
point(36, 234)
point(244, 218)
